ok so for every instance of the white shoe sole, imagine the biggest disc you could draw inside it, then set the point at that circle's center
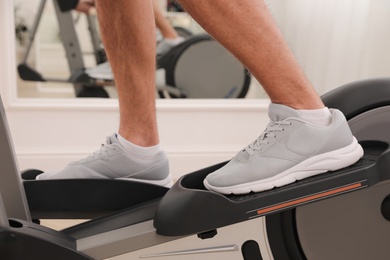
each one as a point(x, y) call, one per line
point(315, 165)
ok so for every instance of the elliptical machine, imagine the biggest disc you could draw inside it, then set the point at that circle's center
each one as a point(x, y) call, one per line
point(336, 215)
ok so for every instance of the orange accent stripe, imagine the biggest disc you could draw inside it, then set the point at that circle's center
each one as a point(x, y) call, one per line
point(309, 198)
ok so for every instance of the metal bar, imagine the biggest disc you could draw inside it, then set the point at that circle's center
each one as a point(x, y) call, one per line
point(70, 42)
point(34, 29)
point(14, 201)
point(95, 39)
point(3, 215)
point(121, 241)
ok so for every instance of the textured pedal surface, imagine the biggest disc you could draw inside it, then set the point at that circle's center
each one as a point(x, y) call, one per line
point(189, 208)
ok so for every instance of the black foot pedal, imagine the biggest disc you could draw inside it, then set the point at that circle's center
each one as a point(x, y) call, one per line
point(86, 198)
point(189, 208)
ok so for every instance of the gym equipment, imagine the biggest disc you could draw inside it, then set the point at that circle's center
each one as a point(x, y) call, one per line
point(197, 68)
point(329, 216)
point(84, 86)
point(201, 68)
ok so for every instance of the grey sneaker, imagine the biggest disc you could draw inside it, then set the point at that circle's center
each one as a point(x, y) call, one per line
point(112, 162)
point(166, 45)
point(102, 71)
point(290, 149)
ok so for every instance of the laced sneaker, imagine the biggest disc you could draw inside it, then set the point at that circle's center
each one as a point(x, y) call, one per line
point(290, 149)
point(102, 71)
point(166, 45)
point(112, 162)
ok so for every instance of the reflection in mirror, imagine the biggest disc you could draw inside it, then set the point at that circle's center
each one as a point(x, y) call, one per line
point(65, 57)
point(335, 42)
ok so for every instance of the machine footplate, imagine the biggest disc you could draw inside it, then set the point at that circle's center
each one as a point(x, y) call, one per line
point(189, 208)
point(86, 198)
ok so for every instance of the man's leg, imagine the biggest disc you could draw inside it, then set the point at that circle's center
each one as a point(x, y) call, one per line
point(170, 40)
point(162, 23)
point(128, 33)
point(247, 29)
point(304, 138)
point(170, 36)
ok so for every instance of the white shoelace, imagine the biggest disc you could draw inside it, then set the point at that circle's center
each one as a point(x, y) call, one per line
point(263, 138)
point(104, 149)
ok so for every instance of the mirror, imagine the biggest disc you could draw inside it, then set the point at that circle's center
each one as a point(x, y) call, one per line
point(335, 42)
point(65, 43)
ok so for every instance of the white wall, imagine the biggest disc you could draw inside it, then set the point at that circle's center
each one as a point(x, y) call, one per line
point(337, 41)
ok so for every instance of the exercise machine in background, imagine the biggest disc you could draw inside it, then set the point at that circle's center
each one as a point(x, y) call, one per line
point(197, 68)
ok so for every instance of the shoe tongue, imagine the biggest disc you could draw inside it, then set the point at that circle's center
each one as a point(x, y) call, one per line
point(277, 112)
point(112, 139)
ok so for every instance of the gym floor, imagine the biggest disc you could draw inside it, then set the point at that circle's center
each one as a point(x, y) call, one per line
point(27, 89)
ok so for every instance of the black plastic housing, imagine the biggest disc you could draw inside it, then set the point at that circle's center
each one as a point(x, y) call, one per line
point(189, 208)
